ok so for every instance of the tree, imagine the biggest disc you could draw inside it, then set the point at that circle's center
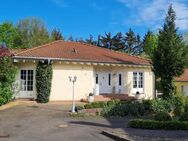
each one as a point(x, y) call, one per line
point(132, 43)
point(71, 39)
point(33, 32)
point(56, 35)
point(169, 57)
point(9, 35)
point(90, 40)
point(112, 42)
point(149, 43)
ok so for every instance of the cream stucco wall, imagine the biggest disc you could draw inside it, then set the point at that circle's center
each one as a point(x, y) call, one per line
point(62, 87)
point(85, 84)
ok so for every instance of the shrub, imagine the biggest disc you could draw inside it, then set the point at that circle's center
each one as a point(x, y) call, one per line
point(152, 124)
point(162, 116)
point(43, 81)
point(179, 101)
point(99, 104)
point(79, 107)
point(184, 117)
point(7, 78)
point(121, 109)
point(161, 105)
point(148, 105)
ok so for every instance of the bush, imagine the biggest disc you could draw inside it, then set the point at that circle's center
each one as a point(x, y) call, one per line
point(184, 117)
point(7, 77)
point(148, 105)
point(161, 105)
point(162, 116)
point(79, 107)
point(152, 124)
point(121, 109)
point(179, 101)
point(99, 104)
point(43, 81)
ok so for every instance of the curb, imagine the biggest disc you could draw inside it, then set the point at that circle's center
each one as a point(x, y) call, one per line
point(9, 105)
point(114, 136)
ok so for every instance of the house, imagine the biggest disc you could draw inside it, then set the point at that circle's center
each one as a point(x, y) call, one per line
point(182, 83)
point(98, 70)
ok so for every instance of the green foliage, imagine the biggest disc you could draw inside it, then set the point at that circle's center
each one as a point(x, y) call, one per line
point(56, 35)
point(9, 35)
point(169, 58)
point(7, 78)
point(148, 105)
point(184, 117)
point(79, 107)
point(99, 104)
point(162, 116)
point(161, 105)
point(33, 32)
point(43, 81)
point(121, 109)
point(149, 43)
point(179, 102)
point(152, 124)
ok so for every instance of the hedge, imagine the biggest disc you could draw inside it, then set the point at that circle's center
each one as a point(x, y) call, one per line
point(153, 124)
point(43, 81)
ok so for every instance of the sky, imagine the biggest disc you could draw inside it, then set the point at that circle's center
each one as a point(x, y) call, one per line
point(80, 18)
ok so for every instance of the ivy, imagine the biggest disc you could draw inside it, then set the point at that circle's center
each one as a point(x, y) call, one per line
point(43, 82)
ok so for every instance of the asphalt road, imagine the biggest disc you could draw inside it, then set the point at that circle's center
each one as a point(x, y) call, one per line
point(47, 123)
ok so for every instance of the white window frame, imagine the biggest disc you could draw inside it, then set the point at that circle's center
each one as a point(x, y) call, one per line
point(24, 83)
point(138, 86)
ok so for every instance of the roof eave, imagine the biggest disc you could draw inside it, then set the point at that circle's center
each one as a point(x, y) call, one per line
point(75, 60)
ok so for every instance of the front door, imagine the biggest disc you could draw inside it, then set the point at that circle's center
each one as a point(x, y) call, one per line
point(26, 84)
point(105, 85)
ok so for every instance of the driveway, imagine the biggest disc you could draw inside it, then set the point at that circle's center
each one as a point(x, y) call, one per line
point(51, 122)
point(47, 122)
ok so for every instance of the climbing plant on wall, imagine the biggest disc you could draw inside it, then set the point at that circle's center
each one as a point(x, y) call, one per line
point(43, 81)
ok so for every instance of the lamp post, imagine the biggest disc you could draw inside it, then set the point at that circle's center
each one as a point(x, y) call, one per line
point(73, 80)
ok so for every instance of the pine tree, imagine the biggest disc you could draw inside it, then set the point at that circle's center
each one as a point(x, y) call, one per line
point(169, 57)
point(56, 35)
point(149, 43)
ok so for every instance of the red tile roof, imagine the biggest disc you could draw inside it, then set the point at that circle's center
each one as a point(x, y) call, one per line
point(183, 77)
point(75, 51)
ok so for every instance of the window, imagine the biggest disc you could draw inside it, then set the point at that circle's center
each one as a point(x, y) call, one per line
point(120, 80)
point(26, 77)
point(109, 79)
point(137, 79)
point(97, 79)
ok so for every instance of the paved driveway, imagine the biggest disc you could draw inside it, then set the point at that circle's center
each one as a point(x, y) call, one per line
point(48, 122)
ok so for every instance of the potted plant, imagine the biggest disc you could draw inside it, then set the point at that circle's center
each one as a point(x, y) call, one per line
point(91, 97)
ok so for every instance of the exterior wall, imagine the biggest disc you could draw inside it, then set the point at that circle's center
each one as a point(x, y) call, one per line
point(180, 85)
point(26, 66)
point(148, 82)
point(148, 79)
point(85, 84)
point(62, 87)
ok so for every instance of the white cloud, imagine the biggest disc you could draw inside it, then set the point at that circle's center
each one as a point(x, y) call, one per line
point(151, 13)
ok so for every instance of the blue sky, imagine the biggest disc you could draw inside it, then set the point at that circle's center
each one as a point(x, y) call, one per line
point(80, 18)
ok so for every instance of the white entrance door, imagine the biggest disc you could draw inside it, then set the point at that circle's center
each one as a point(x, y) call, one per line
point(185, 90)
point(138, 82)
point(27, 84)
point(105, 82)
point(119, 83)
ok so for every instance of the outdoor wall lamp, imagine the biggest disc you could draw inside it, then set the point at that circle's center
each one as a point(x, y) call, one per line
point(73, 80)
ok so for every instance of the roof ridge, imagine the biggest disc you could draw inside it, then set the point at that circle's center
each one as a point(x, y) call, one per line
point(139, 57)
point(37, 47)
